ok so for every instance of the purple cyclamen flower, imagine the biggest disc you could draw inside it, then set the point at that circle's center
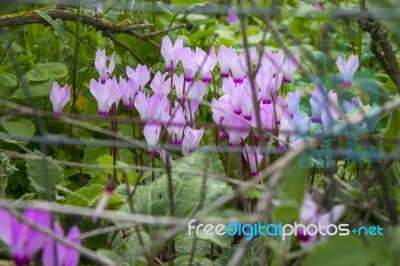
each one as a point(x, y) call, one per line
point(59, 97)
point(171, 53)
point(223, 60)
point(238, 69)
point(191, 140)
point(300, 126)
point(318, 100)
point(189, 62)
point(159, 85)
point(353, 104)
point(175, 124)
point(106, 93)
point(141, 75)
point(207, 63)
point(232, 16)
point(293, 100)
point(151, 107)
point(22, 240)
point(289, 66)
point(102, 204)
point(285, 130)
point(237, 129)
point(310, 214)
point(268, 85)
point(267, 120)
point(129, 89)
point(271, 62)
point(191, 108)
point(318, 6)
point(99, 7)
point(101, 65)
point(151, 133)
point(253, 157)
point(58, 254)
point(348, 69)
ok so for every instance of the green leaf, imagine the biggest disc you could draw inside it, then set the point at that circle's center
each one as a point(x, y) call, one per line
point(45, 71)
point(187, 177)
point(22, 127)
point(36, 174)
point(188, 2)
point(37, 89)
point(196, 260)
point(343, 251)
point(254, 256)
point(8, 81)
point(291, 194)
point(37, 75)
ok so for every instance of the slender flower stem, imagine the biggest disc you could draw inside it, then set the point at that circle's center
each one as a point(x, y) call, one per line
point(77, 156)
point(134, 136)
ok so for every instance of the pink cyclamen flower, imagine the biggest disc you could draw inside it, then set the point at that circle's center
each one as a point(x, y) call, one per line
point(129, 89)
point(207, 63)
point(189, 62)
point(175, 124)
point(141, 75)
point(348, 69)
point(59, 97)
point(293, 100)
point(237, 129)
point(99, 7)
point(267, 120)
point(310, 214)
point(193, 91)
point(159, 85)
point(289, 66)
point(102, 204)
point(237, 65)
point(300, 126)
point(151, 133)
point(271, 62)
point(318, 100)
point(22, 240)
point(58, 254)
point(191, 140)
point(106, 94)
point(151, 107)
point(253, 157)
point(101, 65)
point(285, 130)
point(171, 53)
point(223, 60)
point(318, 6)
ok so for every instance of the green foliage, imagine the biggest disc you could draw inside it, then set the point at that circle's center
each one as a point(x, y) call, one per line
point(352, 251)
point(43, 174)
point(187, 179)
point(20, 127)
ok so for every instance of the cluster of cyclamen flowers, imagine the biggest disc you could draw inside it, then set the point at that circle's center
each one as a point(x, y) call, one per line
point(24, 242)
point(233, 112)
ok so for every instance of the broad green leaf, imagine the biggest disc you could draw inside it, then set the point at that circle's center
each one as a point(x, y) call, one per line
point(36, 89)
point(187, 178)
point(22, 127)
point(343, 251)
point(188, 2)
point(291, 194)
point(196, 260)
point(255, 255)
point(37, 75)
point(8, 81)
point(36, 174)
point(89, 196)
point(44, 71)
